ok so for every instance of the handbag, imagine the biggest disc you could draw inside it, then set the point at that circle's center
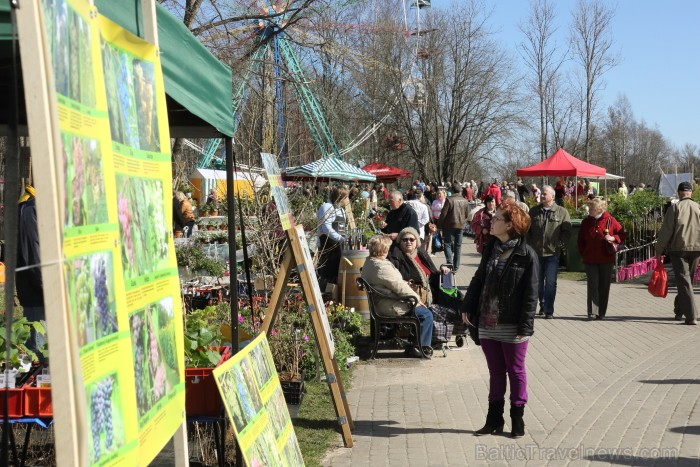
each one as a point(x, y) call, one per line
point(420, 290)
point(437, 241)
point(612, 248)
point(658, 284)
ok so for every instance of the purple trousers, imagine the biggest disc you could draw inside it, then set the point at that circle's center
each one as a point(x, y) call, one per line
point(506, 359)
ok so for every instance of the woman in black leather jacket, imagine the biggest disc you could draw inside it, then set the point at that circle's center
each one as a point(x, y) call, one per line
point(501, 300)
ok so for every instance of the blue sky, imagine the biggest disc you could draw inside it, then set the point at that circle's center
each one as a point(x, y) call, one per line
point(659, 46)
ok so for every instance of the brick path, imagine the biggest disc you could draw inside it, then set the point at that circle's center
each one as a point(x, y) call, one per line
point(624, 391)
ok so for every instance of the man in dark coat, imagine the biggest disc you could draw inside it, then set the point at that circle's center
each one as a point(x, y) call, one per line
point(400, 216)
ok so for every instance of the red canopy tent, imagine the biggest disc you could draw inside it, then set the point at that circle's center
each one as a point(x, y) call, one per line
point(562, 164)
point(385, 173)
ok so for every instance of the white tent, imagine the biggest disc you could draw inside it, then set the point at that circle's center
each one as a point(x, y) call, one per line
point(668, 183)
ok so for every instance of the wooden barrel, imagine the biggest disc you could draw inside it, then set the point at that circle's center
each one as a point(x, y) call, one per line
point(350, 265)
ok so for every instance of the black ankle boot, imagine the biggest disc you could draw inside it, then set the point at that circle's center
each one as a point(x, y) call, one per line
point(516, 421)
point(494, 419)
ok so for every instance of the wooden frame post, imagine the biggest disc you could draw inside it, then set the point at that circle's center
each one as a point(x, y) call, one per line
point(67, 391)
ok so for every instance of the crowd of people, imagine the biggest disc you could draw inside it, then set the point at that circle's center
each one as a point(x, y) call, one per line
point(520, 251)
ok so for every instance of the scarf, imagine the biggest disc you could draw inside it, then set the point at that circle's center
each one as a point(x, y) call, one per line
point(488, 303)
point(423, 277)
point(29, 192)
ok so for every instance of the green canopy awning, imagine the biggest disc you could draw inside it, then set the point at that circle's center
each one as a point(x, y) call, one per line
point(198, 86)
point(328, 168)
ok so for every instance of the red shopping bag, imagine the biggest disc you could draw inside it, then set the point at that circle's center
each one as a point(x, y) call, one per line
point(658, 285)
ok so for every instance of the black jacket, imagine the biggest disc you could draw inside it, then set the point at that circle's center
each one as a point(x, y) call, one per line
point(517, 288)
point(399, 219)
point(408, 269)
point(30, 291)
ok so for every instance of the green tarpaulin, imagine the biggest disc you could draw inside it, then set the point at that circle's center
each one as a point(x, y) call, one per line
point(198, 86)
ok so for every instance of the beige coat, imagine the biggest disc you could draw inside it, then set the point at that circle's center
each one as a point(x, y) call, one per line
point(681, 228)
point(383, 276)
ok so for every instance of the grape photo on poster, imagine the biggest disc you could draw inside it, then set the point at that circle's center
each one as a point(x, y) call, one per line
point(154, 352)
point(90, 282)
point(107, 433)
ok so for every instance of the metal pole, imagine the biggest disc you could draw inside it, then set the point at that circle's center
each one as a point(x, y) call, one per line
point(233, 288)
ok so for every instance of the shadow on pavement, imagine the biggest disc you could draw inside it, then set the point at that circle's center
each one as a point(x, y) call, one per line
point(670, 381)
point(386, 428)
point(624, 459)
point(686, 430)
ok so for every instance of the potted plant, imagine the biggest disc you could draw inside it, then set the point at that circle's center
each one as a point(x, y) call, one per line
point(289, 343)
point(203, 352)
point(224, 225)
point(204, 210)
point(214, 209)
point(19, 361)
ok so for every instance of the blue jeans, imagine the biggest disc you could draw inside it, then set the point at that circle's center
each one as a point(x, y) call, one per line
point(547, 290)
point(425, 316)
point(452, 239)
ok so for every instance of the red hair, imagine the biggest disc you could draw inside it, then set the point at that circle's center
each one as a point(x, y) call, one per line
point(517, 216)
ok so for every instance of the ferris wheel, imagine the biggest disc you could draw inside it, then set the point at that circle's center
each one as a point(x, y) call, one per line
point(276, 36)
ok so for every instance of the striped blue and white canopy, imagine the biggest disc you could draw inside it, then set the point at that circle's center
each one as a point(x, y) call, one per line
point(330, 168)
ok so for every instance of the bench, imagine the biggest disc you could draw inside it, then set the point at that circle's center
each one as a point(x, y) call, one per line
point(381, 323)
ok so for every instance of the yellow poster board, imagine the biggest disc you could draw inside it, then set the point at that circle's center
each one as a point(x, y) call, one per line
point(118, 254)
point(252, 394)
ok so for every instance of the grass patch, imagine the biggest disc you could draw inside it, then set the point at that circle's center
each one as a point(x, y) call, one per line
point(572, 276)
point(316, 424)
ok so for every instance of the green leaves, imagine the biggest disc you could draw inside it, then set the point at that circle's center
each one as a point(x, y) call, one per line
point(19, 335)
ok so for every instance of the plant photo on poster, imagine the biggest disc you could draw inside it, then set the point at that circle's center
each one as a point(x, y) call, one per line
point(143, 234)
point(69, 40)
point(107, 433)
point(242, 397)
point(291, 451)
point(154, 352)
point(277, 411)
point(85, 201)
point(264, 367)
point(264, 450)
point(90, 282)
point(131, 99)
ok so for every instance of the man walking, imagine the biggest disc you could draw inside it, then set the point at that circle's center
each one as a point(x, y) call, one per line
point(680, 237)
point(452, 219)
point(548, 234)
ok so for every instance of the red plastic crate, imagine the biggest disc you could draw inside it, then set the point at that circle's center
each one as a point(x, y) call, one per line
point(37, 402)
point(201, 394)
point(15, 402)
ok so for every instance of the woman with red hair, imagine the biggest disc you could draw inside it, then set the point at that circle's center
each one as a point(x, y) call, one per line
point(501, 301)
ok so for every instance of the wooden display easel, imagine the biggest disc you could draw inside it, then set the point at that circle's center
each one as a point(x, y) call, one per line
point(298, 255)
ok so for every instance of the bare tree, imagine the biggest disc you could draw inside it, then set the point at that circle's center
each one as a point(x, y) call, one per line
point(617, 135)
point(591, 42)
point(467, 101)
point(539, 51)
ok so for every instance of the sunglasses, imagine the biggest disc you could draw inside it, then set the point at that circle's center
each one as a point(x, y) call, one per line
point(500, 219)
point(408, 240)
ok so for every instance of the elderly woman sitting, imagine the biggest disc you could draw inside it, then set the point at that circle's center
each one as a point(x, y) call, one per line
point(383, 276)
point(415, 266)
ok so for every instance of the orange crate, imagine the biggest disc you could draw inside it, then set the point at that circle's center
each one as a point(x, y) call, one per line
point(201, 394)
point(37, 402)
point(15, 402)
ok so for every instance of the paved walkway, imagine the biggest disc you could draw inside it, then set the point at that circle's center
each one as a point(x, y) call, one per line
point(624, 391)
